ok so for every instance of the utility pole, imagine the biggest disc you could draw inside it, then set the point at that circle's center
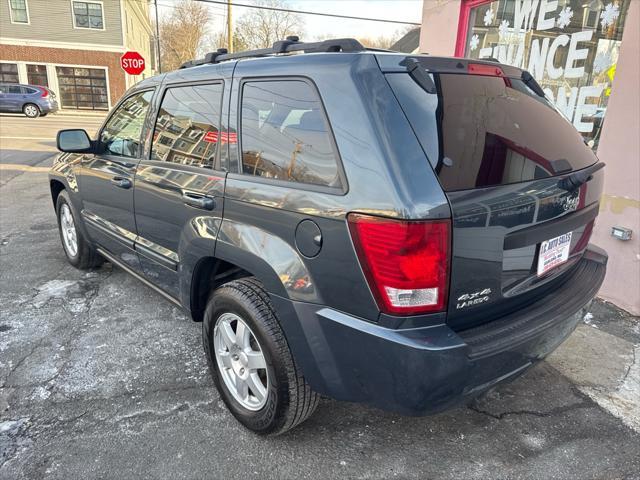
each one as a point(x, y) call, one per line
point(155, 3)
point(229, 28)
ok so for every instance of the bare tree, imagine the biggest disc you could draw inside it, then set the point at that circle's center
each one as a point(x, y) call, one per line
point(260, 28)
point(377, 42)
point(382, 41)
point(183, 33)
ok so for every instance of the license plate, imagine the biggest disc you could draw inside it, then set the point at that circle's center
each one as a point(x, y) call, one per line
point(553, 252)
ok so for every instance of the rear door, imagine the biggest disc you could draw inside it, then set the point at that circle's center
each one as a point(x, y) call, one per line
point(500, 152)
point(179, 188)
point(106, 179)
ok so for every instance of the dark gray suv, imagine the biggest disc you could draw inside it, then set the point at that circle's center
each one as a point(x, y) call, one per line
point(403, 231)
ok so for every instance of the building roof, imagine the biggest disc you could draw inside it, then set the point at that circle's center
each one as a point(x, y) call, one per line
point(409, 43)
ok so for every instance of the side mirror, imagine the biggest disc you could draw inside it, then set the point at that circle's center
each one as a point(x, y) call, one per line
point(74, 141)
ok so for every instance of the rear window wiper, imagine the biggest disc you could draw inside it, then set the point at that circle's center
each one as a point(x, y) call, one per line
point(420, 76)
point(530, 82)
point(573, 181)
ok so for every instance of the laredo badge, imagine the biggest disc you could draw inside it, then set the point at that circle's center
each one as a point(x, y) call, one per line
point(476, 298)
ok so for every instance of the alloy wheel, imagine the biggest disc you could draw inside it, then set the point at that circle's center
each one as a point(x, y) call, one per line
point(68, 227)
point(241, 362)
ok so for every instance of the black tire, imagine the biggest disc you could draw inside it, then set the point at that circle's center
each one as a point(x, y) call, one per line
point(290, 400)
point(86, 257)
point(31, 112)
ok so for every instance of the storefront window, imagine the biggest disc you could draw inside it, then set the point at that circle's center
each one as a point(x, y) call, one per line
point(571, 47)
point(37, 75)
point(9, 72)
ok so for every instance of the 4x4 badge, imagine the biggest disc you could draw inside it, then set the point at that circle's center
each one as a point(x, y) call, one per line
point(468, 299)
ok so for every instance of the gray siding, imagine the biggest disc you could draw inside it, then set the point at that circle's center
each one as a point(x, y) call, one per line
point(52, 20)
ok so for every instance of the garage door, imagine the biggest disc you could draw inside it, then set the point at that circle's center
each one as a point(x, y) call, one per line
point(83, 88)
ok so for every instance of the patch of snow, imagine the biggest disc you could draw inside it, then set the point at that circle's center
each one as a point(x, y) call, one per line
point(54, 289)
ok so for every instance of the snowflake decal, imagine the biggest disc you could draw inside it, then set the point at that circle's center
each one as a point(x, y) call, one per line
point(564, 18)
point(609, 15)
point(601, 62)
point(488, 17)
point(473, 44)
point(503, 29)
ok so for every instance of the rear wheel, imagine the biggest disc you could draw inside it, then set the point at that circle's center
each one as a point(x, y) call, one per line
point(250, 360)
point(31, 110)
point(78, 250)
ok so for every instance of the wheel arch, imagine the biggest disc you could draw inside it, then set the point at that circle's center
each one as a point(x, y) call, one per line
point(56, 187)
point(208, 274)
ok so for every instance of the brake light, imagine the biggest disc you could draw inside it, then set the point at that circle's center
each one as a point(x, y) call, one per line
point(406, 263)
point(487, 70)
point(43, 92)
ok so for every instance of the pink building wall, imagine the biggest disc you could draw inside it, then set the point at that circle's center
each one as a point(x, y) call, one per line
point(619, 147)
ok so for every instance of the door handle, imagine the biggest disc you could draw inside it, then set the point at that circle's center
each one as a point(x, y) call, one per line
point(198, 201)
point(121, 182)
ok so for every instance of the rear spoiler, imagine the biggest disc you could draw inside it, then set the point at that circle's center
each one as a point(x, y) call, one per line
point(419, 68)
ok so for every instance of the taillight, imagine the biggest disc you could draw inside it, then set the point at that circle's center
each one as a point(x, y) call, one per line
point(487, 70)
point(406, 263)
point(43, 92)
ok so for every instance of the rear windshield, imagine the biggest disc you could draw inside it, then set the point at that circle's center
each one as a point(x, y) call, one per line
point(480, 131)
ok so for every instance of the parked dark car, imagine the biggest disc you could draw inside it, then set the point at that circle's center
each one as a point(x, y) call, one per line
point(400, 230)
point(32, 100)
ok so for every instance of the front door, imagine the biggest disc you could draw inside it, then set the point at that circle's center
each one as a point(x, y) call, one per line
point(179, 190)
point(106, 179)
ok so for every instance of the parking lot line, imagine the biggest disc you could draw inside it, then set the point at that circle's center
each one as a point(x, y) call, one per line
point(23, 168)
point(25, 138)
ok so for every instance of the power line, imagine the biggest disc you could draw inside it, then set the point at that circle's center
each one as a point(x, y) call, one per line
point(306, 12)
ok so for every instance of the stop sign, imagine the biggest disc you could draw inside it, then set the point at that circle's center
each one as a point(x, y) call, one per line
point(132, 63)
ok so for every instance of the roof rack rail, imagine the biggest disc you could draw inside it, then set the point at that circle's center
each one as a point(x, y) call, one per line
point(289, 45)
point(208, 58)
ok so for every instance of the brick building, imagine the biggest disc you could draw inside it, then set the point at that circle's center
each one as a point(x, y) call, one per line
point(74, 47)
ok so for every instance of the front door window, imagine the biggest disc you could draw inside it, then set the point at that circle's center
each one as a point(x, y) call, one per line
point(571, 47)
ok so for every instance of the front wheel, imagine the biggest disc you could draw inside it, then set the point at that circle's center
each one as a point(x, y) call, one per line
point(250, 360)
point(78, 250)
point(31, 110)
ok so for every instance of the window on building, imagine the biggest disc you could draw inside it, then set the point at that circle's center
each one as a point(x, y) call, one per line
point(9, 72)
point(19, 11)
point(183, 111)
point(37, 75)
point(571, 48)
point(83, 88)
point(284, 134)
point(121, 135)
point(88, 15)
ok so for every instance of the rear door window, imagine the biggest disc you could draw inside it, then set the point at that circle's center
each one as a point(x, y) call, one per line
point(480, 131)
point(187, 129)
point(285, 134)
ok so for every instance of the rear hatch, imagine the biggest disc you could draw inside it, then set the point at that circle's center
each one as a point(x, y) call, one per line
point(509, 163)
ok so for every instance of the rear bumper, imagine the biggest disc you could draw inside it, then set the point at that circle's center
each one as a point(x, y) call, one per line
point(48, 107)
point(424, 370)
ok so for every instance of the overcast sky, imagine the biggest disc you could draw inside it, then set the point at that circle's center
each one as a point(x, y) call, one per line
point(404, 10)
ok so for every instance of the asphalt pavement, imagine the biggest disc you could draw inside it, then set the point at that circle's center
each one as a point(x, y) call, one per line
point(100, 377)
